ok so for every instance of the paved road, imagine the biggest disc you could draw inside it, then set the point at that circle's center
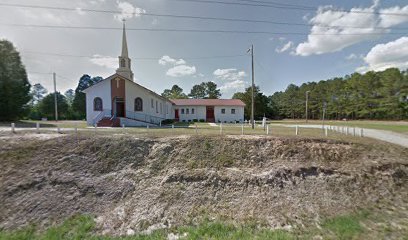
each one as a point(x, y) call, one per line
point(387, 136)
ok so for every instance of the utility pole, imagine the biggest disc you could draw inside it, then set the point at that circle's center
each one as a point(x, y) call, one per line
point(55, 96)
point(307, 101)
point(252, 92)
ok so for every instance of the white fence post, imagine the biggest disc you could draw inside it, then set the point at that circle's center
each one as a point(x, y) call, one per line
point(221, 128)
point(297, 130)
point(13, 128)
point(267, 129)
point(361, 133)
point(172, 126)
point(242, 129)
point(196, 129)
point(354, 131)
point(37, 126)
point(58, 130)
point(325, 132)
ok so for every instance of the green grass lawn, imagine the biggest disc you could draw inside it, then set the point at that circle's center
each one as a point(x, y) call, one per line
point(82, 227)
point(395, 126)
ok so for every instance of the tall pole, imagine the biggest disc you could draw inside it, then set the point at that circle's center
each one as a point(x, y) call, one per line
point(252, 91)
point(307, 101)
point(55, 96)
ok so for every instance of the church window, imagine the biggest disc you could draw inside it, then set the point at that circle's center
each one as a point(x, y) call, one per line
point(192, 111)
point(187, 111)
point(223, 111)
point(152, 103)
point(122, 63)
point(232, 111)
point(182, 111)
point(98, 104)
point(138, 105)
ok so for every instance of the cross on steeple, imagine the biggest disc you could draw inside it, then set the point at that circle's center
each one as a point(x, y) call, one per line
point(124, 60)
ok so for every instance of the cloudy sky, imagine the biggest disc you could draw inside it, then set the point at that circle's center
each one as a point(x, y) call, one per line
point(294, 41)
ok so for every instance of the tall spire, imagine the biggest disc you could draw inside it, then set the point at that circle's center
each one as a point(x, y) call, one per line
point(124, 42)
point(124, 60)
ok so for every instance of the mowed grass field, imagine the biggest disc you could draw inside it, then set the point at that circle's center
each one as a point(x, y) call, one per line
point(394, 126)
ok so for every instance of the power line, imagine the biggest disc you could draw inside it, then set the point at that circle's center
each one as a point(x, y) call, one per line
point(193, 30)
point(288, 7)
point(197, 17)
point(137, 58)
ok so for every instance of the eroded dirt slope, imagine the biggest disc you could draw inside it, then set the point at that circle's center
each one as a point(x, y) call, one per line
point(143, 184)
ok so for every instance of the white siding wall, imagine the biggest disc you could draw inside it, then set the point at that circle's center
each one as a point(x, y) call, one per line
point(133, 91)
point(199, 113)
point(101, 90)
point(228, 117)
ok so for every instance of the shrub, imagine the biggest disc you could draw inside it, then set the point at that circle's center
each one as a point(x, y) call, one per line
point(195, 120)
point(167, 121)
point(202, 120)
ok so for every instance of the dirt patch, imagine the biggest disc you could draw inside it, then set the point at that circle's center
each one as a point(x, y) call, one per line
point(143, 183)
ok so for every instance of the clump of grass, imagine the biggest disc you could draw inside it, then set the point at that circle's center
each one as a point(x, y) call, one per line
point(346, 226)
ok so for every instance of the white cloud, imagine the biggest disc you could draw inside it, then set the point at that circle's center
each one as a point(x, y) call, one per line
point(128, 11)
point(383, 56)
point(354, 56)
point(105, 61)
point(181, 71)
point(168, 60)
point(229, 74)
point(285, 47)
point(233, 80)
point(333, 31)
point(387, 20)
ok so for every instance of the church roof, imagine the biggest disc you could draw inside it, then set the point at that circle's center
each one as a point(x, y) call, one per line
point(208, 102)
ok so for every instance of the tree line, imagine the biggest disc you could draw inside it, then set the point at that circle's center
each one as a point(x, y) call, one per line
point(373, 95)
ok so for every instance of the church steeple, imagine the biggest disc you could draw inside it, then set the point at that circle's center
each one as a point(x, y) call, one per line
point(124, 60)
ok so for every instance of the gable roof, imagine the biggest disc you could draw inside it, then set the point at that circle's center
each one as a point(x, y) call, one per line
point(122, 77)
point(208, 102)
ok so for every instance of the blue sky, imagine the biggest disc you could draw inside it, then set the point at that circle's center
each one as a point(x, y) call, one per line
point(180, 58)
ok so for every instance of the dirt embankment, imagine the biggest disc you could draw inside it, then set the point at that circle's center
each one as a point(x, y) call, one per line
point(132, 184)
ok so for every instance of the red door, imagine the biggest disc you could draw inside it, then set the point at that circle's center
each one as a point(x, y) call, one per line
point(210, 114)
point(176, 114)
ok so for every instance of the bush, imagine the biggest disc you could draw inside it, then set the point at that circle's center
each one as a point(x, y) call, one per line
point(195, 120)
point(202, 120)
point(167, 121)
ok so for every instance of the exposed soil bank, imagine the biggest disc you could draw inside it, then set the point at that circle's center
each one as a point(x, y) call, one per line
point(134, 184)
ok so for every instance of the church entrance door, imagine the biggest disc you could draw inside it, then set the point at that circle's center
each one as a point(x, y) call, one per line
point(210, 114)
point(119, 104)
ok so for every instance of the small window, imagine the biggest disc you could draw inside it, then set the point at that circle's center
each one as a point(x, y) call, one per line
point(223, 111)
point(187, 111)
point(138, 105)
point(182, 111)
point(98, 104)
point(233, 111)
point(152, 103)
point(161, 108)
point(192, 111)
point(122, 63)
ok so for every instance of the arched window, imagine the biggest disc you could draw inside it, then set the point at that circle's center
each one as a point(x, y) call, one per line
point(122, 63)
point(98, 104)
point(138, 105)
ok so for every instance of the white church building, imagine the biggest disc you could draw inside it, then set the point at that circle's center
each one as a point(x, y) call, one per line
point(118, 100)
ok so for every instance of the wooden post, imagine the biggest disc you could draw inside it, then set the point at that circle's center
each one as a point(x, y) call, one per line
point(196, 129)
point(37, 126)
point(13, 128)
point(361, 133)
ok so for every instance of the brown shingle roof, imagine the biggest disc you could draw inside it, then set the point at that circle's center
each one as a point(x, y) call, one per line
point(208, 102)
